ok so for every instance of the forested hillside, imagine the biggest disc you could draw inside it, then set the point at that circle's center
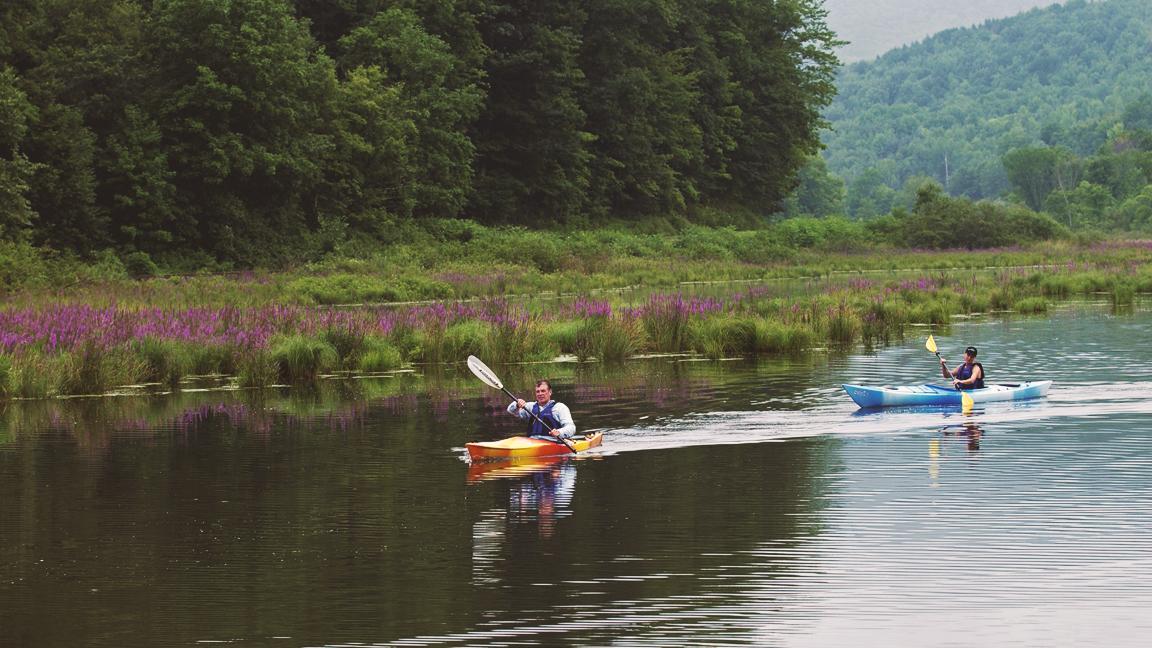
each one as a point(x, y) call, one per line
point(1068, 79)
point(255, 130)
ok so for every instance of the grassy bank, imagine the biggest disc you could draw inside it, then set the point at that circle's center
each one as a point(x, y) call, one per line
point(286, 328)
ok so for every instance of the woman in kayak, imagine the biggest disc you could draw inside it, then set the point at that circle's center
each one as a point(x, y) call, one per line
point(555, 415)
point(969, 375)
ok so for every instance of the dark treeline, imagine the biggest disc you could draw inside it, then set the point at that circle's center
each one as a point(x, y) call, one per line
point(257, 131)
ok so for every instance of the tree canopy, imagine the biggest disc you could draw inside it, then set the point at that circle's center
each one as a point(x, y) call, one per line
point(253, 131)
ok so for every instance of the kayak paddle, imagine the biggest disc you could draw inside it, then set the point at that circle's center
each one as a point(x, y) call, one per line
point(492, 380)
point(966, 402)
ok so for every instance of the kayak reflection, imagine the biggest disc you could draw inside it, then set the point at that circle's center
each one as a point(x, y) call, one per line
point(968, 430)
point(540, 491)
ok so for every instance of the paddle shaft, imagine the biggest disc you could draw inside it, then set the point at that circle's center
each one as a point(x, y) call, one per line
point(541, 421)
point(965, 399)
point(944, 364)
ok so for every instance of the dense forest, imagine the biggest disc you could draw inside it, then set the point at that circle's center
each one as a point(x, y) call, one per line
point(253, 131)
point(1049, 108)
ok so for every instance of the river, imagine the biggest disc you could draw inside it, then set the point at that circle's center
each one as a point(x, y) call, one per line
point(733, 502)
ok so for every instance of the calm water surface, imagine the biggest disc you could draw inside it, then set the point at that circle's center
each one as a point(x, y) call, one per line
point(734, 502)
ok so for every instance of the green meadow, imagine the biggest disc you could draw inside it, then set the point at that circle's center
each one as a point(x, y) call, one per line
point(513, 295)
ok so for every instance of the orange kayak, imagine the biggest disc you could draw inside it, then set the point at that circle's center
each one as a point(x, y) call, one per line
point(519, 446)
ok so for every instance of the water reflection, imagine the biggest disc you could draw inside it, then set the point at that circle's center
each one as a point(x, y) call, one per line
point(742, 501)
point(538, 493)
point(968, 431)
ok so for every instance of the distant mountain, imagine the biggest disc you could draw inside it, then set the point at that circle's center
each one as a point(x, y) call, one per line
point(876, 26)
point(950, 106)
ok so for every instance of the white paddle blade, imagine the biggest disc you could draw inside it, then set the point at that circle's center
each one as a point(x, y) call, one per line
point(930, 345)
point(484, 373)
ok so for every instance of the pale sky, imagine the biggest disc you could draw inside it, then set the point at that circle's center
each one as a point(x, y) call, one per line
point(876, 26)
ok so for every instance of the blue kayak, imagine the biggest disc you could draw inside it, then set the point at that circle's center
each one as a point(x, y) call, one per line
point(911, 395)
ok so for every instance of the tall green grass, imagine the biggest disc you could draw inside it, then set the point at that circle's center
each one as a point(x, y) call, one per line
point(379, 355)
point(825, 308)
point(301, 359)
point(607, 338)
point(164, 361)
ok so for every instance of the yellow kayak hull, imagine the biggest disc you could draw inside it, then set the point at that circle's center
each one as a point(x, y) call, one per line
point(516, 447)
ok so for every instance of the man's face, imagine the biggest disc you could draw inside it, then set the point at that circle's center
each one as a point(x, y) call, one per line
point(543, 394)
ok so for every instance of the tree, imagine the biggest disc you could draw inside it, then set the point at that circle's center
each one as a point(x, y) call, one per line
point(244, 99)
point(819, 192)
point(782, 63)
point(97, 66)
point(16, 113)
point(533, 159)
point(422, 68)
point(1085, 206)
point(1135, 214)
point(869, 195)
point(633, 68)
point(1035, 171)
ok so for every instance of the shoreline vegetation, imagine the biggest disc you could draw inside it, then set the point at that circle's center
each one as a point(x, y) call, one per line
point(602, 296)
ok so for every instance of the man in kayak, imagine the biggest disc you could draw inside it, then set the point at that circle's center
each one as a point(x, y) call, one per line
point(969, 375)
point(557, 420)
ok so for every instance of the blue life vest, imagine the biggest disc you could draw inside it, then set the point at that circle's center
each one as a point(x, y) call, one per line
point(965, 372)
point(545, 415)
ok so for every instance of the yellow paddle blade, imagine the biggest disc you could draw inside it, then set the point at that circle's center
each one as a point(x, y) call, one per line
point(930, 345)
point(966, 402)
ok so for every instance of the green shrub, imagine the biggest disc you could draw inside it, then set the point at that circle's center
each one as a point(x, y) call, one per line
point(164, 361)
point(256, 368)
point(21, 265)
point(975, 302)
point(1123, 293)
point(139, 265)
point(213, 359)
point(379, 355)
point(508, 343)
point(932, 312)
point(607, 338)
point(347, 289)
point(717, 337)
point(563, 335)
point(301, 359)
point(844, 326)
point(1001, 298)
point(6, 377)
point(466, 338)
point(348, 343)
point(665, 323)
point(705, 243)
point(93, 370)
point(1032, 305)
point(34, 376)
point(776, 337)
point(105, 266)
